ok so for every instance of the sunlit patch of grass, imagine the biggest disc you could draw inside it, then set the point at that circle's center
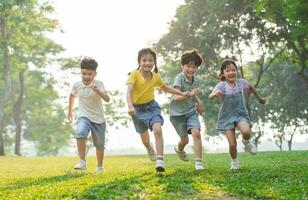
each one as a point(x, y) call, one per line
point(268, 175)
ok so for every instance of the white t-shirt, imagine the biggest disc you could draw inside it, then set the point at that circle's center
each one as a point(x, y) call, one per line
point(89, 103)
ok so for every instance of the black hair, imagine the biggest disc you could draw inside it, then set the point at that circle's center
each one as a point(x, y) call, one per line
point(224, 65)
point(145, 51)
point(191, 56)
point(88, 63)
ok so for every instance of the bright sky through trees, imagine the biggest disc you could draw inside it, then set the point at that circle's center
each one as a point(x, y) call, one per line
point(112, 32)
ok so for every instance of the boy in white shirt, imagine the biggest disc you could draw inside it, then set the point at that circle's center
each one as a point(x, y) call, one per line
point(91, 113)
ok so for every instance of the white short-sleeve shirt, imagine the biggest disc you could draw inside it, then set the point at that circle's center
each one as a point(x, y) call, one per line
point(89, 103)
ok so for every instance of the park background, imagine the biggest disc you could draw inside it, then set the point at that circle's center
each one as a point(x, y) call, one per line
point(42, 43)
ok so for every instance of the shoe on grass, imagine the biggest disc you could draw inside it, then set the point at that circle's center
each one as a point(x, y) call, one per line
point(199, 166)
point(235, 165)
point(182, 154)
point(151, 153)
point(99, 169)
point(160, 166)
point(81, 165)
point(250, 147)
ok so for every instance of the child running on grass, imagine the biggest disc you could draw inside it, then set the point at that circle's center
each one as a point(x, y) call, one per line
point(233, 112)
point(184, 110)
point(143, 108)
point(91, 113)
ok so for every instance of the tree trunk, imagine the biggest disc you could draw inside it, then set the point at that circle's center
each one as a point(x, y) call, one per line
point(17, 113)
point(290, 145)
point(5, 78)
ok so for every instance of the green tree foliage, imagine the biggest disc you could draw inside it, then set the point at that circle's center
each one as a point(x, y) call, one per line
point(290, 20)
point(240, 29)
point(31, 51)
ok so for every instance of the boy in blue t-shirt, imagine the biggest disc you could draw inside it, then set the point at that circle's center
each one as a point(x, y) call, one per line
point(184, 110)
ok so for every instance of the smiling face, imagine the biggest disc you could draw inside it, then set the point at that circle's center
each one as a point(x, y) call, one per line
point(189, 70)
point(87, 76)
point(230, 73)
point(147, 62)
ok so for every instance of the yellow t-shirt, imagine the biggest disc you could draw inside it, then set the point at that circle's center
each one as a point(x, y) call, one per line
point(143, 91)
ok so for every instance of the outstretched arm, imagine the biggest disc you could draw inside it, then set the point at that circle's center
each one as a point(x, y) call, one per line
point(256, 93)
point(177, 97)
point(70, 107)
point(215, 93)
point(171, 90)
point(129, 94)
point(102, 94)
point(199, 106)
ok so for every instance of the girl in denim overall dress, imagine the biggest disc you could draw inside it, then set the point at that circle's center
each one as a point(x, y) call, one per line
point(233, 112)
point(142, 107)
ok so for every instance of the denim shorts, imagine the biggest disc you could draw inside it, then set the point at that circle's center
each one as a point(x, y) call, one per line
point(184, 123)
point(84, 126)
point(146, 115)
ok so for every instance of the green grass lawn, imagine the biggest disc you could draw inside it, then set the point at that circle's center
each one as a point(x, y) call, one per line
point(267, 175)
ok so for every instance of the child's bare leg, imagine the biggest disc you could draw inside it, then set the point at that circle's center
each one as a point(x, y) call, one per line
point(100, 156)
point(230, 134)
point(197, 142)
point(159, 141)
point(81, 147)
point(183, 142)
point(145, 138)
point(245, 130)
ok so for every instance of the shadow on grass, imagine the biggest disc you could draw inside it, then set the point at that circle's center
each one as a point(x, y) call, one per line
point(41, 181)
point(180, 184)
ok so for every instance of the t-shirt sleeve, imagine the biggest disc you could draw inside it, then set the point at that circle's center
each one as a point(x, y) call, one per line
point(177, 82)
point(74, 88)
point(219, 86)
point(244, 84)
point(132, 78)
point(159, 81)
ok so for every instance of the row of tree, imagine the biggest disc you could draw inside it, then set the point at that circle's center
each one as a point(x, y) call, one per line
point(272, 34)
point(28, 100)
point(268, 40)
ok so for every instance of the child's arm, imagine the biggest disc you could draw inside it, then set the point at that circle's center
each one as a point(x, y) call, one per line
point(102, 94)
point(129, 94)
point(199, 106)
point(215, 93)
point(70, 107)
point(171, 90)
point(177, 97)
point(256, 93)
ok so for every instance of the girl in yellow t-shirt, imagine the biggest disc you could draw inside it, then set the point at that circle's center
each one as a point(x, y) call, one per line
point(143, 108)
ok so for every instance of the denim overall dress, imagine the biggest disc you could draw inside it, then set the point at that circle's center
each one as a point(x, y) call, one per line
point(232, 110)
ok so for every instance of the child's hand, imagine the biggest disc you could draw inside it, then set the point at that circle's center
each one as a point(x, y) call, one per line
point(262, 101)
point(200, 109)
point(131, 110)
point(218, 93)
point(194, 92)
point(70, 116)
point(94, 87)
point(186, 94)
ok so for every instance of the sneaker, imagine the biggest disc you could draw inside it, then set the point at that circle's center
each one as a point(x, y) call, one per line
point(81, 165)
point(99, 169)
point(199, 166)
point(235, 165)
point(151, 153)
point(182, 154)
point(250, 147)
point(160, 166)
